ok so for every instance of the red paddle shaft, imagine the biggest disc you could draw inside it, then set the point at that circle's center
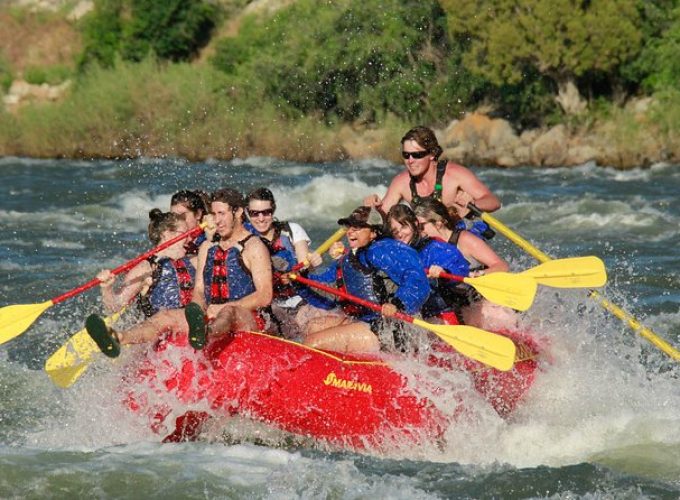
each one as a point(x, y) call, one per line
point(127, 266)
point(370, 305)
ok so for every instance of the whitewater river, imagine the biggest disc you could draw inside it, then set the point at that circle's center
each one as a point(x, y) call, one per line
point(601, 421)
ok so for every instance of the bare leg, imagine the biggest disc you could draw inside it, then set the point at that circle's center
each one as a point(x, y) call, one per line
point(352, 337)
point(233, 318)
point(149, 330)
point(312, 319)
point(486, 315)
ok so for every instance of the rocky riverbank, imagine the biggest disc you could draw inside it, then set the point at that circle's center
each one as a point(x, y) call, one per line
point(478, 139)
point(625, 138)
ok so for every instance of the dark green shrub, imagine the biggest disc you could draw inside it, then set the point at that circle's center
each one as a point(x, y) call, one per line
point(51, 75)
point(101, 31)
point(172, 30)
point(6, 76)
point(348, 60)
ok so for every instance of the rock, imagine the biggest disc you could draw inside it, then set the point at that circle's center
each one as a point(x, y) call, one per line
point(21, 92)
point(580, 154)
point(81, 8)
point(477, 138)
point(551, 147)
point(569, 98)
point(369, 143)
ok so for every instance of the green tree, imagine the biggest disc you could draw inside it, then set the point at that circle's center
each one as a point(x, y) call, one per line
point(102, 30)
point(172, 30)
point(658, 65)
point(353, 60)
point(561, 39)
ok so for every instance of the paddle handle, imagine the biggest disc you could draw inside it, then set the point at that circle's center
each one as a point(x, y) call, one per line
point(449, 276)
point(510, 234)
point(323, 248)
point(128, 265)
point(334, 291)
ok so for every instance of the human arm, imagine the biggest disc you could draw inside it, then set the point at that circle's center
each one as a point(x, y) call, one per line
point(397, 191)
point(403, 266)
point(313, 296)
point(257, 260)
point(132, 284)
point(441, 256)
point(470, 189)
point(301, 241)
point(476, 248)
point(198, 295)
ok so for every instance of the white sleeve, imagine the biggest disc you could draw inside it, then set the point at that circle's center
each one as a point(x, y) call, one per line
point(298, 233)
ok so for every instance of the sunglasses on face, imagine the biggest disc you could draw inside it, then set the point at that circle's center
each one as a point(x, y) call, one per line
point(416, 155)
point(267, 212)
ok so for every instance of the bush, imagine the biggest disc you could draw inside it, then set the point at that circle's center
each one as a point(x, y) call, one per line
point(350, 60)
point(51, 75)
point(6, 76)
point(173, 30)
point(102, 29)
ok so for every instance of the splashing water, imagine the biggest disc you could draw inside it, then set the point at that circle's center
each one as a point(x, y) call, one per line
point(599, 419)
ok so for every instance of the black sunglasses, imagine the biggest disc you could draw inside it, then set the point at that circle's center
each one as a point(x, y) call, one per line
point(266, 212)
point(414, 154)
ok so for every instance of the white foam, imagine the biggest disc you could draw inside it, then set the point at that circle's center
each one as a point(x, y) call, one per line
point(324, 199)
point(66, 245)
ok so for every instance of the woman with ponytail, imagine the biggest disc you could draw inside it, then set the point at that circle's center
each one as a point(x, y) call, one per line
point(165, 281)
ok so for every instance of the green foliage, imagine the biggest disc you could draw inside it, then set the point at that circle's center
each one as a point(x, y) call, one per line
point(658, 66)
point(561, 39)
point(656, 18)
point(101, 31)
point(154, 109)
point(51, 75)
point(530, 103)
point(666, 113)
point(6, 76)
point(172, 30)
point(351, 59)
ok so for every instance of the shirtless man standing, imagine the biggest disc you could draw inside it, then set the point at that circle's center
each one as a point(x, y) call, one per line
point(425, 176)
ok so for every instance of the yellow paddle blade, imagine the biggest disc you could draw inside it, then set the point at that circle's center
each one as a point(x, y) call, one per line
point(15, 320)
point(506, 289)
point(71, 360)
point(576, 272)
point(489, 348)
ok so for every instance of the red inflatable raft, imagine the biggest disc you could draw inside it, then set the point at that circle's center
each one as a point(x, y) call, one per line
point(352, 401)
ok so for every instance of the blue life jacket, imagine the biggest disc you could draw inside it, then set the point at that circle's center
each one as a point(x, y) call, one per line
point(361, 281)
point(282, 251)
point(434, 252)
point(386, 270)
point(193, 245)
point(446, 255)
point(477, 227)
point(226, 276)
point(172, 285)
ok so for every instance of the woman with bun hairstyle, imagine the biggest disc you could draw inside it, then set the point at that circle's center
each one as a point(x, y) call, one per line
point(165, 281)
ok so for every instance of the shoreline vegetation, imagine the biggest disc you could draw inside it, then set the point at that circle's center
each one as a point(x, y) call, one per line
point(318, 83)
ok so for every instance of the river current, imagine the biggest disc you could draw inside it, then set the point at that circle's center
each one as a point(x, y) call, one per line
point(601, 421)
